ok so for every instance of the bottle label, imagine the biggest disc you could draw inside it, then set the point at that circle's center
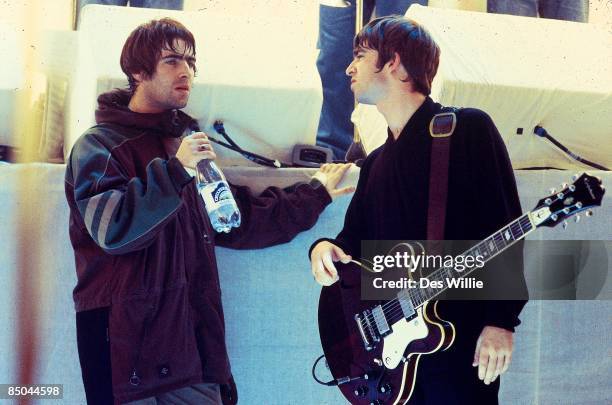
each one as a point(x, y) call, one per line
point(214, 194)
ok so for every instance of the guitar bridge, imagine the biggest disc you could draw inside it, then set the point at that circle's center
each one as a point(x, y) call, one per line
point(367, 329)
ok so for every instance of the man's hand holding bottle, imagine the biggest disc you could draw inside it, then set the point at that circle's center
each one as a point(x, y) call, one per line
point(193, 148)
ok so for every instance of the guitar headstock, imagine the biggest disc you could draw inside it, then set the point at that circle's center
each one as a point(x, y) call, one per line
point(583, 194)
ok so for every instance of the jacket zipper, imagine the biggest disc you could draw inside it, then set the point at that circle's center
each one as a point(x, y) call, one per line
point(134, 378)
point(200, 213)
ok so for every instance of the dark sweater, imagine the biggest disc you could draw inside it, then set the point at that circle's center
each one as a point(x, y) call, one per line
point(391, 202)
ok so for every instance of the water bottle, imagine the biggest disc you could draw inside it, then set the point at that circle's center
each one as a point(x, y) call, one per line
point(220, 205)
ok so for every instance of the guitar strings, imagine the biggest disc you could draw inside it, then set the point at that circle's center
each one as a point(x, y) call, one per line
point(393, 308)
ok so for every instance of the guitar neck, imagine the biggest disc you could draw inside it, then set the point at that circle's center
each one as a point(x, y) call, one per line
point(487, 249)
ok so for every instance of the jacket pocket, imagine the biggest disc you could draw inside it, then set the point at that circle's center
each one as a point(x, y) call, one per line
point(152, 342)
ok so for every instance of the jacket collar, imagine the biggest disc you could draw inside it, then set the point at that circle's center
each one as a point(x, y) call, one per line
point(113, 109)
point(419, 120)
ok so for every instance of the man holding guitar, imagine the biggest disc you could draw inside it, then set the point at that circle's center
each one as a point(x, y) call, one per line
point(395, 61)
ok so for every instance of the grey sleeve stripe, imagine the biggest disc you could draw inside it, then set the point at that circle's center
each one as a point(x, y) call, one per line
point(98, 214)
point(105, 219)
point(90, 211)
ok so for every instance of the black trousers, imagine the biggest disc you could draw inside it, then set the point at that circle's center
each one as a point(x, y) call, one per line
point(442, 381)
point(448, 377)
point(94, 355)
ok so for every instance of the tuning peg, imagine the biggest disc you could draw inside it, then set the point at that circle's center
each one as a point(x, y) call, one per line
point(566, 210)
point(589, 213)
point(578, 205)
point(572, 187)
point(560, 196)
point(552, 191)
point(564, 225)
point(577, 218)
point(564, 185)
point(554, 217)
point(575, 177)
point(548, 201)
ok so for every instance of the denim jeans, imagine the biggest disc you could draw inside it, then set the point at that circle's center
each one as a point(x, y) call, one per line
point(336, 32)
point(570, 10)
point(163, 4)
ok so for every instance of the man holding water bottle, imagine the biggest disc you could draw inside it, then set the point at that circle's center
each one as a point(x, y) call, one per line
point(150, 324)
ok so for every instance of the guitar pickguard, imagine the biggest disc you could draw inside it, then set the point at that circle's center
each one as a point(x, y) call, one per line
point(404, 332)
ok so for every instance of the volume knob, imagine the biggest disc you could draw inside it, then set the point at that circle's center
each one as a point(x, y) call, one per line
point(361, 391)
point(386, 388)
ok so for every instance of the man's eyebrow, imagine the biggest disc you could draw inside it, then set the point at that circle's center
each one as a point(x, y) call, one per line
point(358, 49)
point(178, 56)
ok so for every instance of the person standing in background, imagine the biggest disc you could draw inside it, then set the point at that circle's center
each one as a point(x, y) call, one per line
point(161, 4)
point(336, 31)
point(569, 10)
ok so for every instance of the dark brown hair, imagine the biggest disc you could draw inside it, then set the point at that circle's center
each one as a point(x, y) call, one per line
point(143, 48)
point(418, 52)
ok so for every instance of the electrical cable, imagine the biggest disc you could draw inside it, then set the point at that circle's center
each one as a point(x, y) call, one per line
point(218, 126)
point(334, 382)
point(253, 157)
point(542, 133)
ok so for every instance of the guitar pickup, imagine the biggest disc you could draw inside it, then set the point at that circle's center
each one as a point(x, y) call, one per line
point(381, 321)
point(406, 304)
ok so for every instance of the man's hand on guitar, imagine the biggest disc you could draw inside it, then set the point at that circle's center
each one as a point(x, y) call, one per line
point(322, 260)
point(493, 353)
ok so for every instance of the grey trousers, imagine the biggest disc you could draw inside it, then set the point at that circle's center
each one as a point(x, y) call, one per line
point(201, 394)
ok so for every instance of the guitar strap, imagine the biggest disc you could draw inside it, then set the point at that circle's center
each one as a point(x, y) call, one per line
point(441, 127)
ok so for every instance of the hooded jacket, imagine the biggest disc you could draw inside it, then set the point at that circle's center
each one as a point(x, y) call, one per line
point(144, 247)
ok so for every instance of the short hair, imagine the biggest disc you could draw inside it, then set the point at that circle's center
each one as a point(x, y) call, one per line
point(143, 48)
point(418, 52)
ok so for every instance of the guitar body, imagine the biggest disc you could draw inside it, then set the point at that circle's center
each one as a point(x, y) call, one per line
point(347, 357)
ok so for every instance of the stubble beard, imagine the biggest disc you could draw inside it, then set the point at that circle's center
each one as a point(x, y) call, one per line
point(172, 102)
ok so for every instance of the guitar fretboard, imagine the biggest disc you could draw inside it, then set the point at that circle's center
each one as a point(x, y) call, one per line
point(487, 248)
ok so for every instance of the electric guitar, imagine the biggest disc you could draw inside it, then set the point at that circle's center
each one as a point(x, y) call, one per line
point(373, 352)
